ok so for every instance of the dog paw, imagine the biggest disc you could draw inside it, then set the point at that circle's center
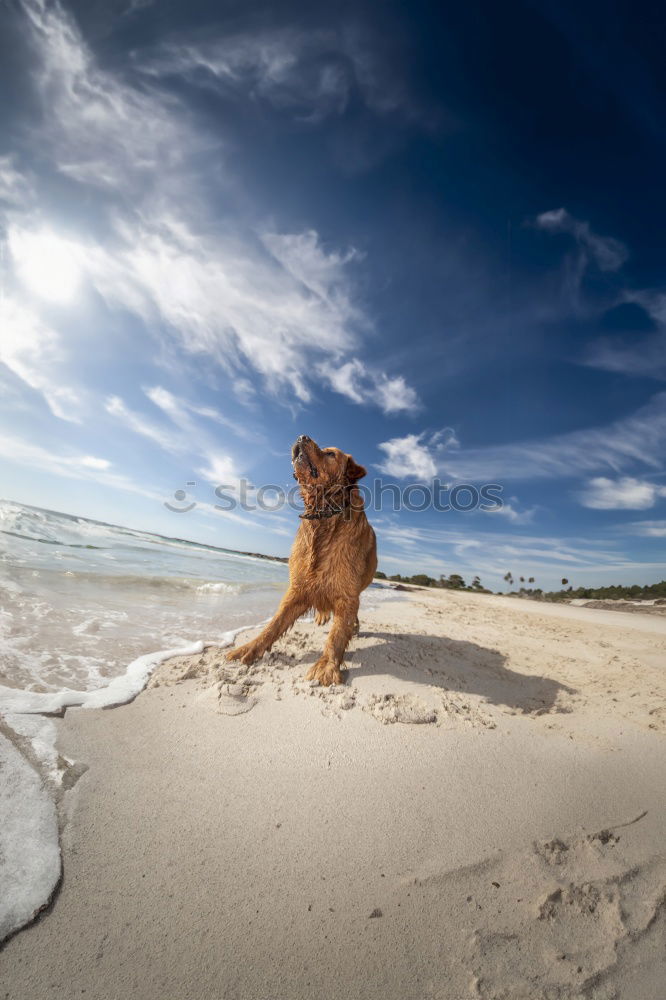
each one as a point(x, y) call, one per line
point(247, 654)
point(325, 672)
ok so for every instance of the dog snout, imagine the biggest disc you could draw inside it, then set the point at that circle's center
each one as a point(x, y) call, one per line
point(299, 444)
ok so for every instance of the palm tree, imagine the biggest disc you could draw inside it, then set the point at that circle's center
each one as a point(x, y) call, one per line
point(564, 581)
point(531, 580)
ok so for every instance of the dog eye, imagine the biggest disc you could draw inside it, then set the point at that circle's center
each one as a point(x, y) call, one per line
point(331, 454)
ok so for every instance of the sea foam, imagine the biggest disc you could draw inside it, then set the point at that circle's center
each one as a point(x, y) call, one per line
point(29, 847)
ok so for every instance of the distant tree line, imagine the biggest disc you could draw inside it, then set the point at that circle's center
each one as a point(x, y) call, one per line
point(614, 592)
point(452, 582)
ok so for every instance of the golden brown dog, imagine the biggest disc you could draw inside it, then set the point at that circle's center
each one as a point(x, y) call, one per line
point(333, 559)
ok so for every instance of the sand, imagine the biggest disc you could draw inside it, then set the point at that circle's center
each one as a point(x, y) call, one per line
point(477, 813)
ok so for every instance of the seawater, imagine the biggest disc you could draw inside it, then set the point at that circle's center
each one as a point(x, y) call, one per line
point(80, 600)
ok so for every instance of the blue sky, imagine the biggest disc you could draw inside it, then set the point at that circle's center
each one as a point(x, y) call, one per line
point(430, 237)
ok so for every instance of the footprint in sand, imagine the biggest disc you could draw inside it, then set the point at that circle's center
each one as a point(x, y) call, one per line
point(235, 699)
point(579, 905)
point(390, 708)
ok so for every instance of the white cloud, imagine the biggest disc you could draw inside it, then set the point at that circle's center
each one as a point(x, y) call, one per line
point(188, 441)
point(346, 378)
point(606, 252)
point(100, 130)
point(648, 359)
point(417, 456)
point(354, 380)
point(68, 464)
point(647, 356)
point(220, 470)
point(636, 440)
point(170, 404)
point(603, 252)
point(653, 301)
point(512, 514)
point(45, 263)
point(302, 256)
point(168, 441)
point(393, 394)
point(222, 302)
point(240, 295)
point(649, 529)
point(90, 462)
point(244, 391)
point(15, 189)
point(308, 75)
point(181, 412)
point(492, 553)
point(626, 493)
point(408, 458)
point(33, 352)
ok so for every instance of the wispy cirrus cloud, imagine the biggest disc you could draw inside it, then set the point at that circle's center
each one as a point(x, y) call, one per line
point(185, 440)
point(642, 352)
point(648, 529)
point(625, 493)
point(181, 412)
point(14, 187)
point(636, 441)
point(101, 130)
point(605, 253)
point(308, 75)
point(34, 353)
point(631, 348)
point(250, 300)
point(70, 464)
point(167, 439)
point(512, 513)
point(222, 299)
point(492, 554)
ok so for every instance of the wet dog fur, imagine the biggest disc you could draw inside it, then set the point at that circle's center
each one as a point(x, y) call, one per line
point(333, 559)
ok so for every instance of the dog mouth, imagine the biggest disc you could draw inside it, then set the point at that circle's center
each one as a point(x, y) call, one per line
point(300, 458)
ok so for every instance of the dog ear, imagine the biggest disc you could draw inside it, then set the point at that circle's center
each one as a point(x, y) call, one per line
point(354, 470)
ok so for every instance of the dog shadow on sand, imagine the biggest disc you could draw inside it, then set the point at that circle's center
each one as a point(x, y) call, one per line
point(454, 666)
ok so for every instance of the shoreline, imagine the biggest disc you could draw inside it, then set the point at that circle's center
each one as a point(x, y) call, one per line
point(234, 833)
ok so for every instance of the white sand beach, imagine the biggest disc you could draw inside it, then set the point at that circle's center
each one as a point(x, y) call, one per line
point(478, 813)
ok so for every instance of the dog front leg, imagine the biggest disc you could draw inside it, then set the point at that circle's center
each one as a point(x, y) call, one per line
point(291, 607)
point(327, 668)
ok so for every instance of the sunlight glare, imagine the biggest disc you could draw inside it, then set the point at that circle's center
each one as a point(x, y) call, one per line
point(46, 264)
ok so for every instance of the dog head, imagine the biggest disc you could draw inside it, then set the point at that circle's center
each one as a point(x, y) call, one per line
point(327, 467)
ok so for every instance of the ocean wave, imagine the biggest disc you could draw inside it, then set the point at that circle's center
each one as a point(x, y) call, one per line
point(141, 581)
point(57, 528)
point(49, 541)
point(197, 585)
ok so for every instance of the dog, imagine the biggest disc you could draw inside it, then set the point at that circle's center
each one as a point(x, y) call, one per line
point(333, 559)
